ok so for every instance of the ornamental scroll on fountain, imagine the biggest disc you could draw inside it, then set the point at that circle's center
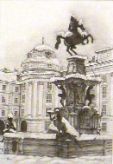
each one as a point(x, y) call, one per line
point(77, 88)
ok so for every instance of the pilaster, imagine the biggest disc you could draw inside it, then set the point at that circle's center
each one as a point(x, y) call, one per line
point(28, 98)
point(34, 99)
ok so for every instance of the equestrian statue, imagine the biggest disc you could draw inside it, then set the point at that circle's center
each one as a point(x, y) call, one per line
point(75, 35)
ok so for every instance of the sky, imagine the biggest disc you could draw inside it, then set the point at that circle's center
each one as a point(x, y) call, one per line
point(23, 23)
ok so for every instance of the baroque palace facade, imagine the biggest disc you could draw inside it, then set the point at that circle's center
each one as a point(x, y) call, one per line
point(29, 93)
point(9, 97)
point(102, 66)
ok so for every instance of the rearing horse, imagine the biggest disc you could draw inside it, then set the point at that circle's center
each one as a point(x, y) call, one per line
point(76, 35)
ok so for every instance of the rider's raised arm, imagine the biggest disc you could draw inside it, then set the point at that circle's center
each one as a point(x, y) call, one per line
point(79, 30)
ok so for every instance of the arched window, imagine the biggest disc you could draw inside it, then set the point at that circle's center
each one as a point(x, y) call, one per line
point(23, 126)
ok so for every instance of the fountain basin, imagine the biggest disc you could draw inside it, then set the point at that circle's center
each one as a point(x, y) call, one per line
point(45, 144)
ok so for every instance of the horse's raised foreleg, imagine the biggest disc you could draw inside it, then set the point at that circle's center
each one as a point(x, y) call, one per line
point(85, 41)
point(91, 37)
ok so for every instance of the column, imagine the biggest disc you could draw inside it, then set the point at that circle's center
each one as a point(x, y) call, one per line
point(97, 96)
point(111, 103)
point(44, 99)
point(28, 98)
point(41, 108)
point(36, 123)
point(56, 97)
point(40, 96)
point(34, 99)
point(109, 94)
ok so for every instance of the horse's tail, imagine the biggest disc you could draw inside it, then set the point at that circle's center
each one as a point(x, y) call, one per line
point(58, 38)
point(91, 37)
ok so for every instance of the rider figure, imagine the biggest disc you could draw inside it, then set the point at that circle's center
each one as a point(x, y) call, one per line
point(73, 25)
point(75, 35)
point(81, 29)
point(77, 26)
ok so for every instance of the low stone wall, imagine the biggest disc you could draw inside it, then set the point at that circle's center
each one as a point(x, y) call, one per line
point(49, 146)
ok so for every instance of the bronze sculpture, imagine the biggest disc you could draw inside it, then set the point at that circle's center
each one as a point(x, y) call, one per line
point(75, 35)
point(10, 125)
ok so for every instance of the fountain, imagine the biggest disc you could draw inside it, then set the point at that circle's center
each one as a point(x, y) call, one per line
point(75, 125)
point(77, 132)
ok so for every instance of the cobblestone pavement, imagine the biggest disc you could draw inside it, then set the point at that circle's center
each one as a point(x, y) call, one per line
point(14, 159)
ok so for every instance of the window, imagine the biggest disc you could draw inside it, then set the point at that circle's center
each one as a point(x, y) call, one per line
point(23, 98)
point(16, 89)
point(104, 110)
point(4, 87)
point(23, 86)
point(104, 78)
point(49, 65)
point(47, 109)
point(104, 126)
point(48, 54)
point(15, 113)
point(22, 112)
point(16, 100)
point(3, 112)
point(49, 86)
point(104, 92)
point(3, 99)
point(49, 98)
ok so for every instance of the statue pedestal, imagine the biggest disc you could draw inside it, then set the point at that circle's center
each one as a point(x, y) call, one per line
point(36, 125)
point(76, 64)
